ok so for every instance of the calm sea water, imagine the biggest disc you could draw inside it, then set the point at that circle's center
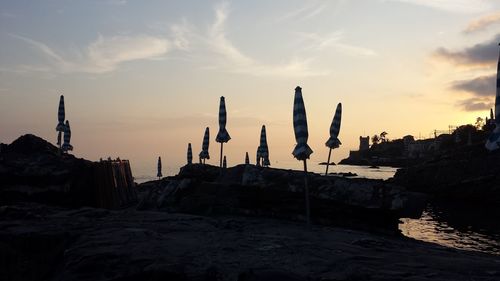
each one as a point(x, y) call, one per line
point(466, 229)
point(475, 229)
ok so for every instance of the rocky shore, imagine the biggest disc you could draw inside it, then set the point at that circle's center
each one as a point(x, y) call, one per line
point(372, 205)
point(469, 175)
point(39, 242)
point(241, 223)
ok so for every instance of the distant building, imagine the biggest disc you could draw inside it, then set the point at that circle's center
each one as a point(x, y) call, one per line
point(364, 143)
point(423, 148)
point(407, 140)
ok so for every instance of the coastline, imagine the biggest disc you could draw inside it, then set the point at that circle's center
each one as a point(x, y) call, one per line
point(240, 223)
point(150, 245)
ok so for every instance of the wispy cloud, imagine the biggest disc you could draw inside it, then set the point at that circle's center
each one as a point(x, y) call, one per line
point(319, 42)
point(211, 48)
point(219, 41)
point(236, 61)
point(181, 33)
point(475, 104)
point(103, 55)
point(482, 54)
point(456, 6)
point(106, 54)
point(483, 22)
point(310, 10)
point(483, 86)
point(481, 89)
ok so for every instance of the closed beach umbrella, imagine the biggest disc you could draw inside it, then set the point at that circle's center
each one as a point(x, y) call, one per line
point(247, 159)
point(224, 162)
point(222, 135)
point(59, 138)
point(302, 151)
point(333, 141)
point(190, 154)
point(204, 147)
point(258, 157)
point(158, 174)
point(67, 138)
point(493, 142)
point(264, 150)
point(61, 116)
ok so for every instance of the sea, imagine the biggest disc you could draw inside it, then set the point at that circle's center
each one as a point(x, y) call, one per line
point(449, 225)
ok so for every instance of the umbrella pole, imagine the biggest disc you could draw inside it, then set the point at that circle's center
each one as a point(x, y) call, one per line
point(220, 163)
point(328, 162)
point(306, 190)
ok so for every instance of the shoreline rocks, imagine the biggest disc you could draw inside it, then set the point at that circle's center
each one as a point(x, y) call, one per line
point(40, 242)
point(469, 175)
point(265, 192)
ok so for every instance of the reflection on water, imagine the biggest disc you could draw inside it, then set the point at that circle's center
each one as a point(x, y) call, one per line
point(470, 228)
point(381, 172)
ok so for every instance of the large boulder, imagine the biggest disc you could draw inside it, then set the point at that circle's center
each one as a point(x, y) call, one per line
point(32, 169)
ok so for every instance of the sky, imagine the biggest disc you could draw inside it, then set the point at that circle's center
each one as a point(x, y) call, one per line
point(142, 79)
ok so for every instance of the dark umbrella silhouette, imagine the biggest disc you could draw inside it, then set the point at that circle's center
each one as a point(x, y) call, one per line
point(189, 154)
point(493, 142)
point(61, 116)
point(222, 135)
point(67, 138)
point(264, 150)
point(59, 138)
point(204, 148)
point(334, 142)
point(247, 159)
point(258, 157)
point(158, 174)
point(302, 151)
point(224, 162)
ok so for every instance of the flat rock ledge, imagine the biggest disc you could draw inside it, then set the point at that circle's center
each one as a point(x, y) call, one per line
point(39, 242)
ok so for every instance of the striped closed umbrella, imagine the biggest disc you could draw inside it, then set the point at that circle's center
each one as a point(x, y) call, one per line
point(334, 142)
point(224, 162)
point(190, 154)
point(61, 116)
point(222, 135)
point(264, 150)
point(247, 159)
point(258, 157)
point(302, 151)
point(67, 138)
point(158, 174)
point(204, 147)
point(493, 142)
point(59, 138)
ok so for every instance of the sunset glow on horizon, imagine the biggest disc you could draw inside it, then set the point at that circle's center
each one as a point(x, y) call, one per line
point(144, 80)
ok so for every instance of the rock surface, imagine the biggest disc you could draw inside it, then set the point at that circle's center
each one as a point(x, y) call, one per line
point(238, 238)
point(257, 191)
point(31, 169)
point(48, 243)
point(469, 175)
